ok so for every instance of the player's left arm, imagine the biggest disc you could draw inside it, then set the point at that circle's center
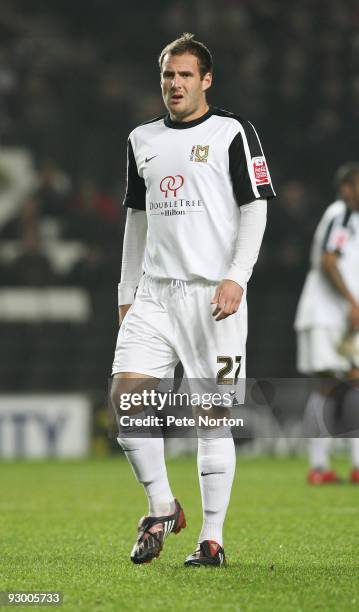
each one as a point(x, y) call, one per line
point(252, 187)
point(229, 292)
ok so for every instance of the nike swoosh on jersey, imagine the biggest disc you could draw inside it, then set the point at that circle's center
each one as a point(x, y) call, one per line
point(209, 473)
point(148, 159)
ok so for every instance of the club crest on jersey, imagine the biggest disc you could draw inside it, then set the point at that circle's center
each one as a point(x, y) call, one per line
point(171, 183)
point(261, 173)
point(199, 153)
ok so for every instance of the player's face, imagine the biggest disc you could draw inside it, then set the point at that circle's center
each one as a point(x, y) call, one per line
point(183, 90)
point(351, 193)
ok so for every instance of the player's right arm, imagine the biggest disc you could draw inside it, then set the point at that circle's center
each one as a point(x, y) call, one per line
point(135, 235)
point(132, 258)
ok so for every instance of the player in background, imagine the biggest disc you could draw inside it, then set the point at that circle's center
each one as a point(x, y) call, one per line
point(196, 203)
point(327, 321)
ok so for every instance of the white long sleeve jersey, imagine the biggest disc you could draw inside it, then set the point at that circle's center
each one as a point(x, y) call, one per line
point(191, 178)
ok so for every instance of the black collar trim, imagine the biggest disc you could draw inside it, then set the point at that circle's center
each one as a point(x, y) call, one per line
point(184, 125)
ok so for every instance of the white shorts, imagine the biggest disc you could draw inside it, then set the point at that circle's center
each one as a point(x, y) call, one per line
point(319, 350)
point(171, 321)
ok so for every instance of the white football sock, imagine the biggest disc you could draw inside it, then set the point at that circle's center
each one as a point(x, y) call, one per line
point(319, 453)
point(354, 445)
point(350, 410)
point(216, 467)
point(315, 422)
point(146, 456)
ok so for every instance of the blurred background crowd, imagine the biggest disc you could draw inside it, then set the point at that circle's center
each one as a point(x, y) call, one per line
point(75, 78)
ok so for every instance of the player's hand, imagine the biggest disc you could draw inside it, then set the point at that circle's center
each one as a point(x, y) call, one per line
point(122, 311)
point(227, 298)
point(354, 315)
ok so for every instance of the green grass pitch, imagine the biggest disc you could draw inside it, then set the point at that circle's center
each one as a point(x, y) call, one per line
point(70, 526)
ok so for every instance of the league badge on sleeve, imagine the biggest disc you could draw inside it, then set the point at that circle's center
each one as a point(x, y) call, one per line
point(261, 172)
point(339, 238)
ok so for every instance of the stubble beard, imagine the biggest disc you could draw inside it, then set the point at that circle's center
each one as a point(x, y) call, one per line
point(179, 115)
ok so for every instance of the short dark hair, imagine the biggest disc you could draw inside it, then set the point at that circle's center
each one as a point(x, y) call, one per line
point(346, 173)
point(187, 44)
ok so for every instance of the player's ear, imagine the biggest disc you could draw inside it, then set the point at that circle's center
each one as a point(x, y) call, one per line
point(207, 81)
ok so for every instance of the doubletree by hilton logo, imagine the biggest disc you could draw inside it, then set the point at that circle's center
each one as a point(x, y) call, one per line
point(171, 183)
point(174, 205)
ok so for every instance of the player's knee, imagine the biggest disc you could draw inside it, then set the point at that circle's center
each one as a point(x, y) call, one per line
point(115, 395)
point(353, 377)
point(327, 383)
point(121, 398)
